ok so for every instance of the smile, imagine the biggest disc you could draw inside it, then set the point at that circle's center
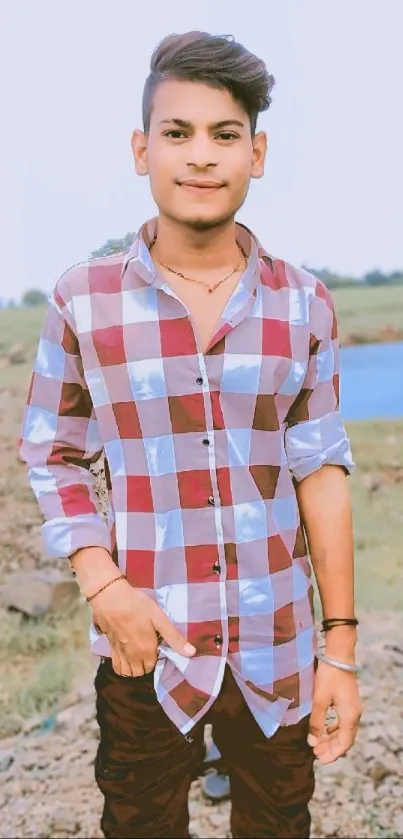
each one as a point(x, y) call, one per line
point(200, 188)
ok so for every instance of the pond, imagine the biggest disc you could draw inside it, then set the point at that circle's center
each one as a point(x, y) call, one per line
point(372, 381)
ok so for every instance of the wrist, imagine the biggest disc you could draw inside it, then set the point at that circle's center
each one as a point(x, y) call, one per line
point(340, 642)
point(93, 567)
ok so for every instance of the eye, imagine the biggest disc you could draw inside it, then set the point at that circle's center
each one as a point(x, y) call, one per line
point(228, 135)
point(175, 134)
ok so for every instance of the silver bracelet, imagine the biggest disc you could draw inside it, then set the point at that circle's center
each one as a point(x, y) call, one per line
point(351, 668)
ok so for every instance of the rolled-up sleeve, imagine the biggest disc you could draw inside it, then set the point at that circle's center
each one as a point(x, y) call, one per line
point(315, 434)
point(60, 439)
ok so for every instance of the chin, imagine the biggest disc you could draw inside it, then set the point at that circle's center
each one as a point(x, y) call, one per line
point(201, 223)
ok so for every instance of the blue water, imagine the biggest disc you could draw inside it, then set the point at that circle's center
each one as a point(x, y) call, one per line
point(372, 382)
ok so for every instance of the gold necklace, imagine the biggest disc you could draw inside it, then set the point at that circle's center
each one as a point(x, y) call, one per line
point(209, 289)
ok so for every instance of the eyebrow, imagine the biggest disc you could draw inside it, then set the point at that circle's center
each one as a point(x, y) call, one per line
point(224, 123)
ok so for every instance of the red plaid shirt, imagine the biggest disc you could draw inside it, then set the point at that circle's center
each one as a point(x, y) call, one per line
point(202, 452)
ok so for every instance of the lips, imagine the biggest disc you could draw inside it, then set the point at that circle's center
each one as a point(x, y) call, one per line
point(200, 186)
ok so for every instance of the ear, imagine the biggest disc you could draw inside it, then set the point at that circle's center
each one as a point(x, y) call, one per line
point(259, 154)
point(139, 149)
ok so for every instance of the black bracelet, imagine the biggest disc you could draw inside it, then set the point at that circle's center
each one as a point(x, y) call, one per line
point(328, 623)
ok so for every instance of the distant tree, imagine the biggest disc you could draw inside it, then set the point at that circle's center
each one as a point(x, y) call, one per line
point(34, 297)
point(113, 246)
point(376, 278)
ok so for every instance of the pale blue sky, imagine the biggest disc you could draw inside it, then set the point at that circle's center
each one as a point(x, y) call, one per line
point(72, 75)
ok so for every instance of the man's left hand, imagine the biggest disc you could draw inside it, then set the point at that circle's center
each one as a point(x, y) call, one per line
point(337, 689)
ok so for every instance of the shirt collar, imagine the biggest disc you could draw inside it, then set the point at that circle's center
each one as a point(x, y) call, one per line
point(140, 256)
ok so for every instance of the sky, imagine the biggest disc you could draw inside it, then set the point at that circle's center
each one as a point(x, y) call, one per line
point(72, 75)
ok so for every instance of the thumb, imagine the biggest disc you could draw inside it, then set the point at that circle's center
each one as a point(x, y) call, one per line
point(172, 636)
point(316, 724)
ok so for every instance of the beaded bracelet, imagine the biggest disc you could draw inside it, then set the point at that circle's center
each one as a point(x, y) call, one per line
point(115, 579)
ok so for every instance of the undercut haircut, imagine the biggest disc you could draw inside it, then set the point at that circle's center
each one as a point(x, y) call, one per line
point(215, 60)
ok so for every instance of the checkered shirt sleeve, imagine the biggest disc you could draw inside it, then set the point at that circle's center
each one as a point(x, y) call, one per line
point(315, 433)
point(60, 439)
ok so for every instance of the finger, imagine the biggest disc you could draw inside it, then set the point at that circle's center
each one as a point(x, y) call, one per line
point(337, 745)
point(118, 664)
point(317, 723)
point(149, 666)
point(127, 667)
point(171, 635)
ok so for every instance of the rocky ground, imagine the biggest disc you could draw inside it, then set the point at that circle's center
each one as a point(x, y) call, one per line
point(48, 790)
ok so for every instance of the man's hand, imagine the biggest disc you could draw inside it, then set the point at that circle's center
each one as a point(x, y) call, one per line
point(339, 689)
point(132, 622)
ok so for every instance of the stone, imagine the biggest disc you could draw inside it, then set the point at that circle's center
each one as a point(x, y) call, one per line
point(373, 750)
point(64, 820)
point(18, 353)
point(36, 592)
point(378, 772)
point(398, 824)
point(6, 759)
point(329, 827)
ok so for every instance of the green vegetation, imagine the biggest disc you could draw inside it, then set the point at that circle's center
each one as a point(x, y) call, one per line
point(367, 315)
point(39, 660)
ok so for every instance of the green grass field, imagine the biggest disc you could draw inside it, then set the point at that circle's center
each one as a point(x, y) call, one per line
point(368, 314)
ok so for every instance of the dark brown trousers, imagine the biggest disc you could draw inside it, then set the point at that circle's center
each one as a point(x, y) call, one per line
point(144, 766)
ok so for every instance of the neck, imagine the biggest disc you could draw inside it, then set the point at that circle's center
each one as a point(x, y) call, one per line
point(183, 247)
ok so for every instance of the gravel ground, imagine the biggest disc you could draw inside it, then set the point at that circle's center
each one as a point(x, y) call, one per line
point(48, 787)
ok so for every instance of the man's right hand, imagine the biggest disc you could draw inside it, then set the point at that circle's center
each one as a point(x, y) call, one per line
point(127, 616)
point(131, 621)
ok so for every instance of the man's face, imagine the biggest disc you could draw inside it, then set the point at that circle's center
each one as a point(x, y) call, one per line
point(199, 153)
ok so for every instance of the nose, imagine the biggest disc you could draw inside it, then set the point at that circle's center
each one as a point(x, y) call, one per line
point(202, 152)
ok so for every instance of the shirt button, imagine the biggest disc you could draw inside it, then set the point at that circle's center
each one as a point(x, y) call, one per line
point(218, 640)
point(211, 501)
point(206, 442)
point(216, 567)
point(199, 380)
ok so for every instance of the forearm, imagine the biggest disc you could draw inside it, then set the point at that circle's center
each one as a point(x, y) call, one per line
point(325, 507)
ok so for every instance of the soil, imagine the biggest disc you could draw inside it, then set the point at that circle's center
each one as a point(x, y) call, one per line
point(47, 771)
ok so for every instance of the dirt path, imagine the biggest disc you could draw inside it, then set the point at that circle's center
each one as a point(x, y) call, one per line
point(48, 789)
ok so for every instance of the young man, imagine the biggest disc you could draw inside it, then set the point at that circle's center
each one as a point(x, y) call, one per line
point(207, 372)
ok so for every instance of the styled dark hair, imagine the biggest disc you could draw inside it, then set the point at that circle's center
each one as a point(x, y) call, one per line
point(216, 60)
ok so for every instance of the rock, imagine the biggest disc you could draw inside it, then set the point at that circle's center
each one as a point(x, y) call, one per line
point(37, 592)
point(372, 482)
point(18, 354)
point(373, 750)
point(367, 794)
point(64, 821)
point(69, 699)
point(329, 827)
point(378, 772)
point(343, 767)
point(6, 759)
point(80, 713)
point(398, 824)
